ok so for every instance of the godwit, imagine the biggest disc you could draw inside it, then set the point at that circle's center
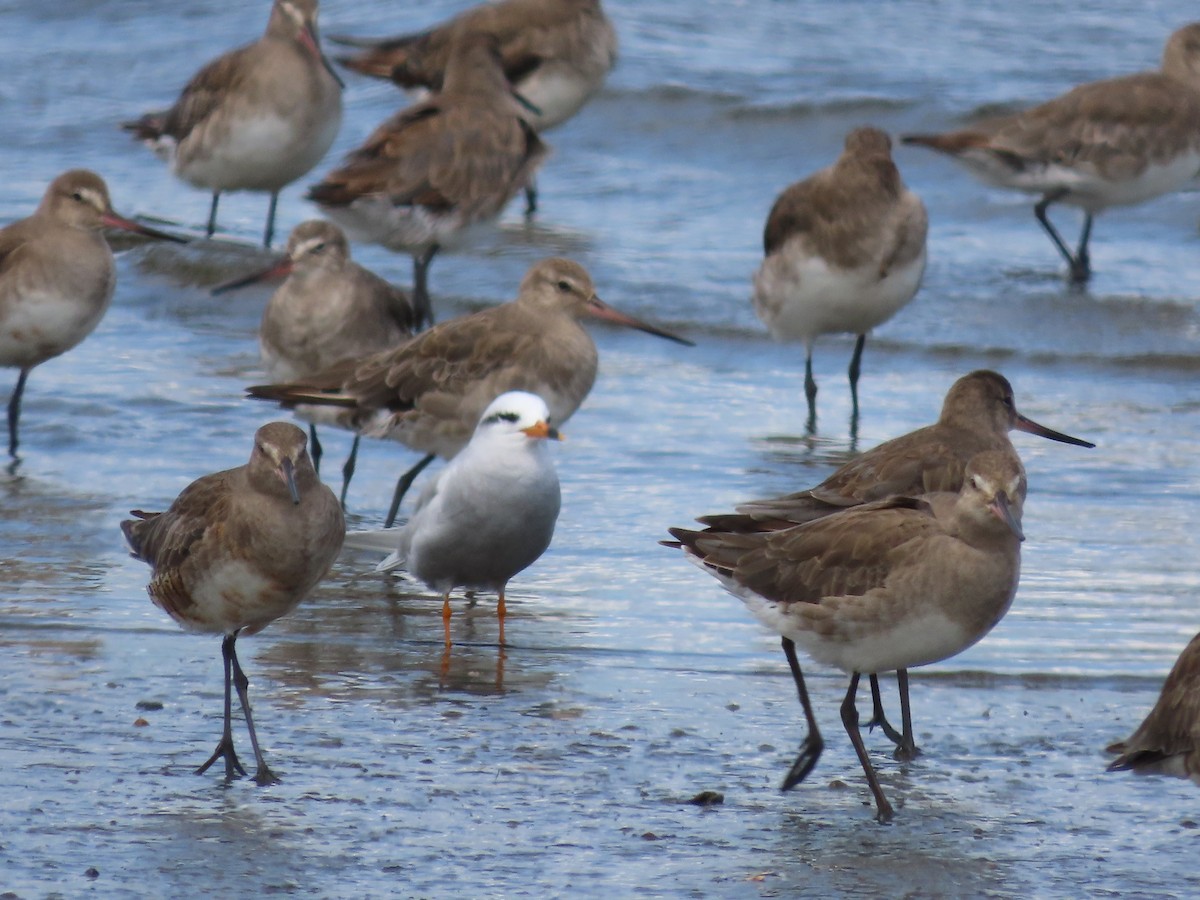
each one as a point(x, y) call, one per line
point(977, 415)
point(328, 309)
point(845, 251)
point(56, 277)
point(438, 168)
point(256, 118)
point(556, 54)
point(887, 585)
point(1168, 741)
point(1108, 143)
point(430, 392)
point(237, 550)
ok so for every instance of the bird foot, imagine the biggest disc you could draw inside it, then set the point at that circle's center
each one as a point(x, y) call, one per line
point(233, 766)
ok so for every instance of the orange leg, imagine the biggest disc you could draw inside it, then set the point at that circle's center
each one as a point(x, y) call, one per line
point(501, 611)
point(446, 616)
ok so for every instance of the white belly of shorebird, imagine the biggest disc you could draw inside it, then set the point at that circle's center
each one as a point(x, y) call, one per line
point(234, 594)
point(799, 296)
point(1087, 188)
point(262, 153)
point(375, 219)
point(864, 645)
point(558, 91)
point(39, 325)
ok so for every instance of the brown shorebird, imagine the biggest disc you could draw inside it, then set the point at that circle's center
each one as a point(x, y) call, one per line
point(845, 251)
point(887, 585)
point(435, 169)
point(488, 515)
point(56, 277)
point(1168, 741)
point(1108, 143)
point(237, 550)
point(255, 119)
point(430, 392)
point(977, 415)
point(328, 309)
point(556, 54)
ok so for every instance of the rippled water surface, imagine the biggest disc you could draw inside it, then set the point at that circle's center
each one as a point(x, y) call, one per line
point(563, 763)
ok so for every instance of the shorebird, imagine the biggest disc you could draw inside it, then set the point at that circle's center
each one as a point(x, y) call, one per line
point(1168, 741)
point(488, 515)
point(56, 277)
point(555, 53)
point(256, 118)
point(437, 168)
point(328, 309)
point(977, 415)
point(1116, 142)
point(237, 550)
point(845, 251)
point(429, 393)
point(887, 585)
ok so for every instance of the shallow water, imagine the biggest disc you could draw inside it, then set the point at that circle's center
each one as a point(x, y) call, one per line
point(630, 681)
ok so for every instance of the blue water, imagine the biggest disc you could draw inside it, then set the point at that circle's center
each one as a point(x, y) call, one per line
point(630, 681)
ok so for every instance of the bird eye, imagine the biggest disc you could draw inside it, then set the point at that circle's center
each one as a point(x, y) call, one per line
point(564, 286)
point(77, 195)
point(319, 247)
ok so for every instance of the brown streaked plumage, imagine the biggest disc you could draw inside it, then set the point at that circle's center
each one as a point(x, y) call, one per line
point(430, 392)
point(56, 277)
point(888, 585)
point(435, 169)
point(1109, 143)
point(327, 310)
point(256, 118)
point(237, 550)
point(845, 251)
point(555, 53)
point(977, 415)
point(1168, 741)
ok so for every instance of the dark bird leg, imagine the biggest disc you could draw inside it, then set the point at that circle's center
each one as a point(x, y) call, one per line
point(907, 748)
point(348, 469)
point(850, 720)
point(269, 234)
point(878, 717)
point(855, 370)
point(315, 449)
point(402, 487)
point(212, 214)
point(264, 775)
point(1082, 257)
point(810, 391)
point(14, 412)
point(1079, 265)
point(810, 749)
point(225, 750)
point(420, 299)
point(531, 198)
